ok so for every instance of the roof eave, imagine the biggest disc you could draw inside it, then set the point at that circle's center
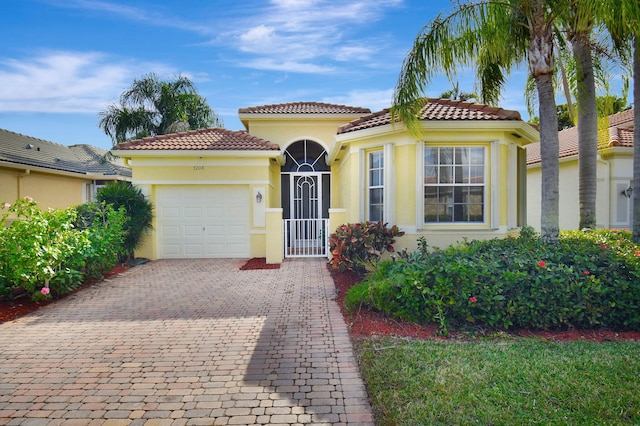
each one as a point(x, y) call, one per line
point(346, 117)
point(518, 127)
point(131, 153)
point(59, 172)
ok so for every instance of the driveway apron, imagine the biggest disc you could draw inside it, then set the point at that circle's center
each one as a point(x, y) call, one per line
point(181, 342)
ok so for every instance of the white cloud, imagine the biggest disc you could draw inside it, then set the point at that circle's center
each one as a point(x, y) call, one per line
point(64, 81)
point(308, 32)
point(152, 16)
point(375, 100)
point(271, 64)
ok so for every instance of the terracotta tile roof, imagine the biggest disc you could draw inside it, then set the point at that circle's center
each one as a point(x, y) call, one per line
point(82, 159)
point(437, 110)
point(620, 134)
point(623, 120)
point(213, 139)
point(304, 108)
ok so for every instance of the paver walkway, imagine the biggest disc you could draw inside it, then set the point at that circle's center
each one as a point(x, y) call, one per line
point(181, 342)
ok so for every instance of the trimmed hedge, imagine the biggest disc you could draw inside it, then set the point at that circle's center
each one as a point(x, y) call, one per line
point(587, 280)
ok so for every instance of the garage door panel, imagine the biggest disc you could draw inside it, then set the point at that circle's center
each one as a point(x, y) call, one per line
point(171, 250)
point(193, 212)
point(202, 221)
point(171, 231)
point(193, 250)
point(170, 212)
point(215, 212)
point(193, 231)
point(215, 230)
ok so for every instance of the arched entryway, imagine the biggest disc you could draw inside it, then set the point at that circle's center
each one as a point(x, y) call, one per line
point(305, 180)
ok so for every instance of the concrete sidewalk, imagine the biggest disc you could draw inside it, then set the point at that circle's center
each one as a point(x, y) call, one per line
point(186, 342)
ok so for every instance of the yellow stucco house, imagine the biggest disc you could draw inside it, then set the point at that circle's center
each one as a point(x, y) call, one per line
point(300, 170)
point(614, 177)
point(54, 175)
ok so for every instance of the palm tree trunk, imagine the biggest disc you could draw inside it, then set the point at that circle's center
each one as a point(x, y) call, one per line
point(549, 155)
point(636, 138)
point(540, 58)
point(587, 132)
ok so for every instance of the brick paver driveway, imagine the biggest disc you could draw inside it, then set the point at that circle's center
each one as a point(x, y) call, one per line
point(178, 342)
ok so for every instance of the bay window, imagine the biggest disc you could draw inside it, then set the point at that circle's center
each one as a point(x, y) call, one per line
point(454, 184)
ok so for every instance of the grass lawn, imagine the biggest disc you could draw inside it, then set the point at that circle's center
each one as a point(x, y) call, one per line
point(502, 382)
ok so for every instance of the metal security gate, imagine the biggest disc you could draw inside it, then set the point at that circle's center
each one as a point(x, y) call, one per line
point(306, 237)
point(306, 232)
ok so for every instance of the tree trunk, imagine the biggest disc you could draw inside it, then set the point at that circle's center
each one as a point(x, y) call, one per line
point(636, 139)
point(587, 131)
point(540, 58)
point(549, 155)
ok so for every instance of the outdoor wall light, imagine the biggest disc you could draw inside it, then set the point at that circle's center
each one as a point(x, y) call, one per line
point(259, 197)
point(627, 192)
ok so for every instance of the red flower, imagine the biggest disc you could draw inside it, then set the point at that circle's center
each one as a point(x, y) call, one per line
point(637, 253)
point(473, 300)
point(541, 264)
point(586, 272)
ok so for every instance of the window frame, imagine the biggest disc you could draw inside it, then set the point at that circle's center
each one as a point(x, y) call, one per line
point(485, 185)
point(379, 187)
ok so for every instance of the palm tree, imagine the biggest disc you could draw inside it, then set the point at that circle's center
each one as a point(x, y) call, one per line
point(494, 37)
point(579, 27)
point(636, 133)
point(154, 107)
point(623, 23)
point(456, 94)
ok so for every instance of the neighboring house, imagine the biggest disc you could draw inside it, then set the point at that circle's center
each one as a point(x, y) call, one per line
point(54, 175)
point(300, 170)
point(614, 177)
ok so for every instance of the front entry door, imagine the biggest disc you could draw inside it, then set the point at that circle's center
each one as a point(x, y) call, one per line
point(305, 195)
point(306, 229)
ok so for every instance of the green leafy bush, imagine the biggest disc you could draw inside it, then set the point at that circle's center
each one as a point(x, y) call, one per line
point(50, 253)
point(356, 246)
point(139, 211)
point(587, 280)
point(40, 251)
point(105, 229)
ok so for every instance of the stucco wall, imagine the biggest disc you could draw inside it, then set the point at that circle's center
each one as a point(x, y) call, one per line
point(403, 159)
point(613, 210)
point(285, 132)
point(49, 190)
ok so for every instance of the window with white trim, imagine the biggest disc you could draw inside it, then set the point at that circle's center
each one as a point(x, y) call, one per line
point(375, 186)
point(454, 184)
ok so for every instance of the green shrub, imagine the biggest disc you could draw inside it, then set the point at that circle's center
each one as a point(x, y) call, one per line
point(356, 246)
point(139, 212)
point(105, 230)
point(587, 280)
point(40, 251)
point(50, 253)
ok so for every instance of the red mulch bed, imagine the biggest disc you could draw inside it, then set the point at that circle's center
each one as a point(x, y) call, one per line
point(258, 263)
point(367, 323)
point(24, 305)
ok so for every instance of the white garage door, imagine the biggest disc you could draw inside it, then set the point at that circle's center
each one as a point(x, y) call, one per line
point(199, 221)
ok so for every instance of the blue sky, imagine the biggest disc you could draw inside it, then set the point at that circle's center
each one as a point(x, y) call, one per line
point(63, 61)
